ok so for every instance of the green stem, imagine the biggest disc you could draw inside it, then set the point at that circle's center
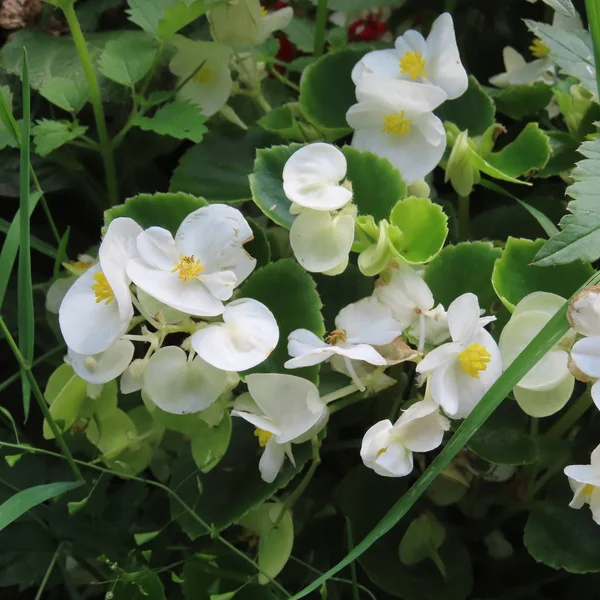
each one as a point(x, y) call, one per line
point(464, 209)
point(593, 14)
point(316, 461)
point(570, 417)
point(25, 368)
point(96, 100)
point(49, 570)
point(320, 26)
point(273, 71)
point(341, 393)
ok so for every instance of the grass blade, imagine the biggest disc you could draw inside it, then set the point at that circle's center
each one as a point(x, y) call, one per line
point(541, 344)
point(36, 244)
point(26, 322)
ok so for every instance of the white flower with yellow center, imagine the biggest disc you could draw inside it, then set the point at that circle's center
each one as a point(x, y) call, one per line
point(359, 326)
point(105, 366)
point(248, 334)
point(394, 119)
point(585, 483)
point(463, 370)
point(434, 60)
point(97, 308)
point(206, 65)
point(548, 386)
point(285, 410)
point(198, 269)
point(388, 448)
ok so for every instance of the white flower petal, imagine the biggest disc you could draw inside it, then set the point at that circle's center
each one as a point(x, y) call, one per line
point(439, 357)
point(273, 21)
point(463, 317)
point(547, 402)
point(132, 379)
point(396, 461)
point(248, 334)
point(271, 460)
point(156, 247)
point(586, 356)
point(382, 63)
point(104, 367)
point(595, 393)
point(256, 420)
point(544, 302)
point(583, 474)
point(376, 439)
point(180, 386)
point(362, 352)
point(421, 427)
point(220, 284)
point(368, 321)
point(57, 292)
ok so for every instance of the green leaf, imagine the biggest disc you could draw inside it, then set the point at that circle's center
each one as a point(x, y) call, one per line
point(141, 585)
point(514, 276)
point(520, 101)
point(563, 538)
point(564, 154)
point(144, 538)
point(210, 444)
point(208, 169)
point(177, 16)
point(327, 90)
point(147, 13)
point(422, 538)
point(259, 247)
point(161, 209)
point(580, 235)
point(564, 7)
point(466, 267)
point(20, 503)
point(283, 121)
point(281, 286)
point(179, 119)
point(504, 440)
point(51, 135)
point(423, 229)
point(301, 32)
point(70, 95)
point(112, 434)
point(572, 51)
point(127, 60)
point(473, 111)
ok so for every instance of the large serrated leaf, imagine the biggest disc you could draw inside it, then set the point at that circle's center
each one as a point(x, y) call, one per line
point(127, 60)
point(50, 135)
point(179, 119)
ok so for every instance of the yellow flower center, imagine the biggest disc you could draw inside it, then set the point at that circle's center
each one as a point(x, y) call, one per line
point(203, 75)
point(102, 289)
point(263, 436)
point(539, 49)
point(588, 489)
point(337, 336)
point(413, 64)
point(396, 124)
point(381, 451)
point(263, 11)
point(188, 267)
point(474, 359)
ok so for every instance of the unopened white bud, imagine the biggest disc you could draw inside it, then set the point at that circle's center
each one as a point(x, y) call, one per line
point(584, 311)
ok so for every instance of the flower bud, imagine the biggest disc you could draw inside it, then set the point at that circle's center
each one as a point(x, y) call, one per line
point(460, 170)
point(235, 23)
point(375, 258)
point(584, 311)
point(420, 189)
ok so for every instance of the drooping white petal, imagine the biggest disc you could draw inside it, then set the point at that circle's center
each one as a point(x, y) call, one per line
point(583, 474)
point(439, 357)
point(258, 421)
point(421, 427)
point(540, 302)
point(104, 367)
point(586, 356)
point(320, 240)
point(312, 177)
point(248, 334)
point(271, 460)
point(368, 321)
point(376, 438)
point(463, 317)
point(154, 307)
point(180, 386)
point(363, 352)
point(273, 21)
point(544, 403)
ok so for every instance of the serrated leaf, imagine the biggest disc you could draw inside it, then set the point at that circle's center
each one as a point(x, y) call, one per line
point(141, 585)
point(147, 13)
point(466, 267)
point(165, 210)
point(473, 111)
point(282, 121)
point(126, 60)
point(177, 16)
point(301, 32)
point(280, 286)
point(564, 7)
point(327, 90)
point(514, 276)
point(580, 235)
point(521, 101)
point(179, 119)
point(572, 51)
point(68, 94)
point(51, 135)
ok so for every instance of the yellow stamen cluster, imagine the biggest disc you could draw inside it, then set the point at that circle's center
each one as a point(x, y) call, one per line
point(474, 360)
point(337, 336)
point(203, 75)
point(396, 124)
point(539, 49)
point(588, 489)
point(263, 11)
point(263, 436)
point(189, 267)
point(413, 64)
point(381, 451)
point(102, 289)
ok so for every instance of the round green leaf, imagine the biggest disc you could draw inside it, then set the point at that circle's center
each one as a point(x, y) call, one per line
point(423, 227)
point(112, 435)
point(210, 443)
point(503, 439)
point(514, 277)
point(327, 90)
point(423, 537)
point(290, 293)
point(563, 538)
point(521, 101)
point(466, 267)
point(166, 210)
point(283, 121)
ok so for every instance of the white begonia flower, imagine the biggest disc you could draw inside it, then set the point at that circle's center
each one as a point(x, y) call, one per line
point(434, 60)
point(584, 311)
point(209, 86)
point(245, 22)
point(409, 298)
point(105, 366)
point(548, 386)
point(585, 483)
point(59, 288)
point(322, 241)
point(463, 370)
point(388, 449)
point(394, 119)
point(285, 409)
point(97, 309)
point(181, 385)
point(200, 268)
point(585, 355)
point(132, 379)
point(359, 326)
point(314, 177)
point(248, 334)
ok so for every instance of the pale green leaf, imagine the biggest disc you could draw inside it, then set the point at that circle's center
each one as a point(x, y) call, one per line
point(179, 119)
point(68, 94)
point(301, 32)
point(178, 15)
point(144, 538)
point(127, 60)
point(112, 434)
point(147, 13)
point(209, 444)
point(563, 6)
point(50, 135)
point(422, 538)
